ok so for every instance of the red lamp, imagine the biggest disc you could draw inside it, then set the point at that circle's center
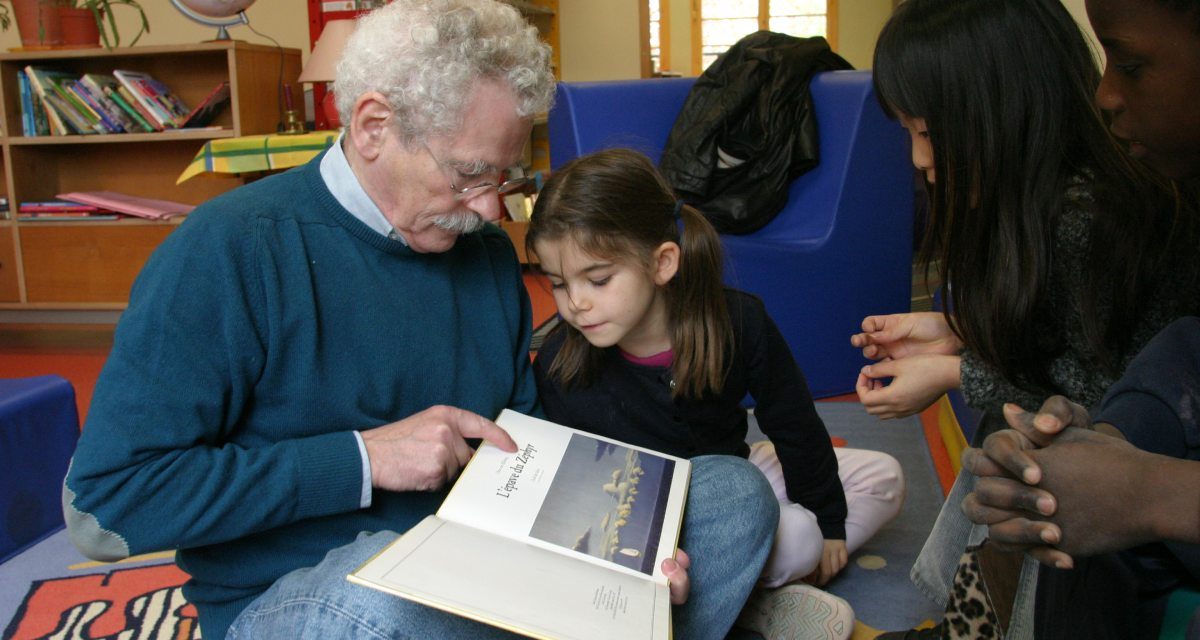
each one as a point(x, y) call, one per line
point(322, 66)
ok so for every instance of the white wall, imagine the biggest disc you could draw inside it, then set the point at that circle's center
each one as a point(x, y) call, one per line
point(599, 39)
point(859, 24)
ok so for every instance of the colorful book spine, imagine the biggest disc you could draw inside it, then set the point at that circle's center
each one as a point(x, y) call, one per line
point(57, 206)
point(74, 123)
point(154, 96)
point(54, 119)
point(138, 108)
point(114, 94)
point(110, 125)
point(81, 111)
point(92, 85)
point(28, 123)
point(40, 120)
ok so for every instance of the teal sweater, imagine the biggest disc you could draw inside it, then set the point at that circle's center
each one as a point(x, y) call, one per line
point(263, 331)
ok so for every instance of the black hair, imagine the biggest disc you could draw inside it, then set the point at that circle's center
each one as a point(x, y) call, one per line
point(1006, 90)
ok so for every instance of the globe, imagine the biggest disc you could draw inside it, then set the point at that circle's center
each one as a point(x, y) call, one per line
point(217, 8)
point(215, 13)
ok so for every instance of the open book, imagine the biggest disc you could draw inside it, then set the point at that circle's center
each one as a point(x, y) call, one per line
point(563, 539)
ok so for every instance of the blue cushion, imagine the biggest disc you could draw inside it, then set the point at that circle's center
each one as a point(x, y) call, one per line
point(840, 250)
point(39, 426)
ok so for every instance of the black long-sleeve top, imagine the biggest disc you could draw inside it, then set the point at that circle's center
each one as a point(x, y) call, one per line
point(633, 403)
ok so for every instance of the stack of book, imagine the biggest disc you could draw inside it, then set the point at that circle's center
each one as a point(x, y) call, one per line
point(57, 210)
point(56, 102)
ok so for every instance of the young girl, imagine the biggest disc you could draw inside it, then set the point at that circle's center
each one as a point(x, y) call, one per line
point(656, 352)
point(1059, 257)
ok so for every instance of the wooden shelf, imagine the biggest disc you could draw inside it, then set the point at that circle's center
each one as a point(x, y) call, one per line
point(90, 265)
point(163, 136)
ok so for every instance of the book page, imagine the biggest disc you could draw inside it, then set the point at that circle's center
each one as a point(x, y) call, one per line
point(517, 586)
point(587, 496)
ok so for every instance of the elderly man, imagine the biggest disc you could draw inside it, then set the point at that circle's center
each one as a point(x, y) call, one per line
point(302, 360)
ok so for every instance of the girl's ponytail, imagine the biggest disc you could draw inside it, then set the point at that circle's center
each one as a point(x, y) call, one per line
point(700, 326)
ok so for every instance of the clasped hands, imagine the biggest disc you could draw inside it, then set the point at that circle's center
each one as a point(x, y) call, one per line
point(1057, 489)
point(918, 353)
point(427, 450)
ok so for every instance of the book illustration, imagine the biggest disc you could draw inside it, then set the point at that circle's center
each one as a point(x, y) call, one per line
point(55, 123)
point(558, 489)
point(145, 114)
point(56, 82)
point(605, 501)
point(157, 99)
point(562, 539)
point(97, 86)
point(114, 94)
point(109, 125)
point(109, 113)
point(209, 108)
point(74, 123)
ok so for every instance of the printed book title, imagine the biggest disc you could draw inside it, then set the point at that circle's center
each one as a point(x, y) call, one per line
point(517, 468)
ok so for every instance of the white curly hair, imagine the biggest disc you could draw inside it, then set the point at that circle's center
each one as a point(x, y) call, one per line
point(425, 56)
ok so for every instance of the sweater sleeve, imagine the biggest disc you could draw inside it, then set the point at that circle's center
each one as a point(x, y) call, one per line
point(985, 389)
point(159, 464)
point(1154, 404)
point(787, 416)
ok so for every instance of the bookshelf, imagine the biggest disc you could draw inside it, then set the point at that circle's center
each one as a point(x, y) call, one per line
point(81, 265)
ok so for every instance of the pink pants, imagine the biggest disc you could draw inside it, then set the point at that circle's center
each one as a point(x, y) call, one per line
point(874, 486)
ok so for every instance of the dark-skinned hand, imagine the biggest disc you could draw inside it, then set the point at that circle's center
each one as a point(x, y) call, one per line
point(1070, 497)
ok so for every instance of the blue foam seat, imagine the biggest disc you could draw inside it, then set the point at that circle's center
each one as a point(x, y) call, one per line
point(840, 250)
point(39, 426)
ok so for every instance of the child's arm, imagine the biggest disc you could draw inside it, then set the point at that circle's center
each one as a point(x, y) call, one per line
point(787, 416)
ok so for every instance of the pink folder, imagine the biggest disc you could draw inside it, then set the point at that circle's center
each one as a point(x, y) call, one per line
point(132, 205)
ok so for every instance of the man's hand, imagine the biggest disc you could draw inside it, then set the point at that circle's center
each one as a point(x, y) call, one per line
point(1093, 484)
point(833, 559)
point(1084, 485)
point(916, 382)
point(903, 335)
point(426, 450)
point(676, 571)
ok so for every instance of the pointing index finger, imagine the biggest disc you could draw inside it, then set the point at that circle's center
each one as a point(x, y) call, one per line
point(481, 427)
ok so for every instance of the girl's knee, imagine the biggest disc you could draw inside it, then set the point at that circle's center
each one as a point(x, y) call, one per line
point(736, 480)
point(884, 476)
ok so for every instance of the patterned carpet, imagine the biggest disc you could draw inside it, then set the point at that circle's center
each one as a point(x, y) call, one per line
point(876, 583)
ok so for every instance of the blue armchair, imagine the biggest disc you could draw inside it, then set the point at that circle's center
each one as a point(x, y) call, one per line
point(841, 249)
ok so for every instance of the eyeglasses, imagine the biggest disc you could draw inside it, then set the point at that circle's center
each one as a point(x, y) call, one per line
point(516, 181)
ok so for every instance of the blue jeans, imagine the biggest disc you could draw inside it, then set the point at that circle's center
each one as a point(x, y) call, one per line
point(935, 567)
point(729, 527)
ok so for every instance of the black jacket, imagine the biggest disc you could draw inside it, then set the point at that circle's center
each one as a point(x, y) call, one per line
point(753, 104)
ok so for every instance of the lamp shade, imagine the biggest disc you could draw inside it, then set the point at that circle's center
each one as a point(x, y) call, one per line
point(322, 62)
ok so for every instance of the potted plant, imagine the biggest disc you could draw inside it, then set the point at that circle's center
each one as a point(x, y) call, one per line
point(37, 22)
point(103, 19)
point(41, 22)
